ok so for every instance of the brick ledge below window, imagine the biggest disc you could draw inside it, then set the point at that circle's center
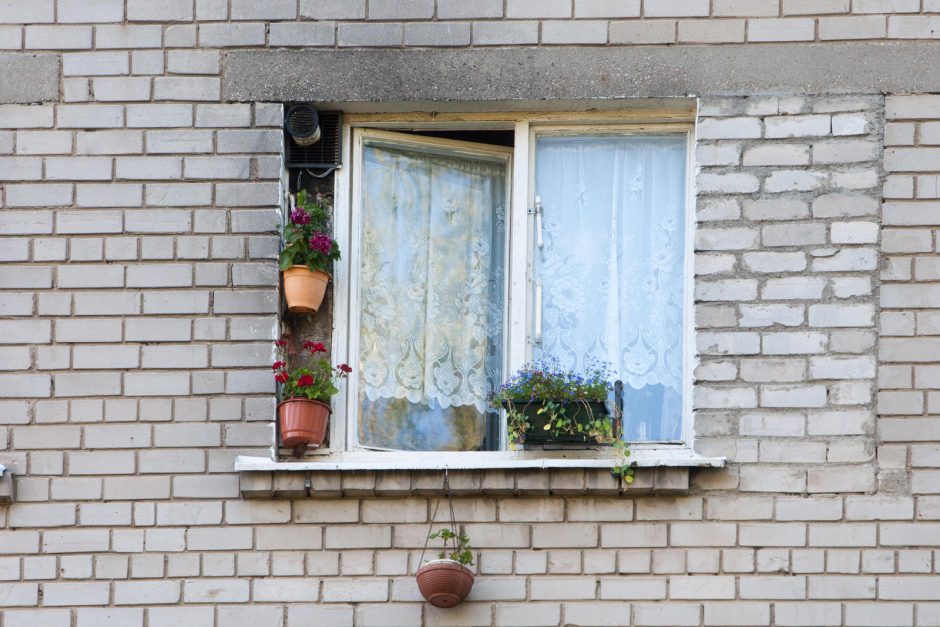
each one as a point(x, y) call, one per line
point(474, 475)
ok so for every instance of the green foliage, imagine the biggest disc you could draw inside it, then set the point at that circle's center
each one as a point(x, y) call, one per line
point(564, 397)
point(307, 241)
point(459, 546)
point(306, 373)
point(545, 379)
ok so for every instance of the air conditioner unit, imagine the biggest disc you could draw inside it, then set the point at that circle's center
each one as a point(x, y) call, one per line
point(300, 122)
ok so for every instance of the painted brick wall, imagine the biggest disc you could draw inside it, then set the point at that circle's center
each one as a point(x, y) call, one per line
point(137, 303)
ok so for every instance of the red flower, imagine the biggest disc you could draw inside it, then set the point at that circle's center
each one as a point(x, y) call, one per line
point(278, 364)
point(280, 343)
point(345, 368)
point(315, 347)
point(281, 377)
point(305, 381)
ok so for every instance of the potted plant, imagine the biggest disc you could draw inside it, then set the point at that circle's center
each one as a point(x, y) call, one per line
point(308, 256)
point(446, 581)
point(308, 381)
point(547, 404)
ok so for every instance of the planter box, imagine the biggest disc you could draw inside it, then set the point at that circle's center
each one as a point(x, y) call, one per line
point(537, 434)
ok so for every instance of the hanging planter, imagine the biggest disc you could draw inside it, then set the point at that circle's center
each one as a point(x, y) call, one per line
point(309, 253)
point(303, 423)
point(304, 289)
point(308, 381)
point(444, 582)
point(447, 580)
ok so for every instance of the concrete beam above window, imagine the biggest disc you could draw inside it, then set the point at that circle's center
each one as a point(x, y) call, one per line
point(521, 77)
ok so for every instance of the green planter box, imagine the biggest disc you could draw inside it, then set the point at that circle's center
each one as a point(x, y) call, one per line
point(537, 434)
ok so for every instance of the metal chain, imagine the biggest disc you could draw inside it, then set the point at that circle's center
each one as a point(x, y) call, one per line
point(453, 519)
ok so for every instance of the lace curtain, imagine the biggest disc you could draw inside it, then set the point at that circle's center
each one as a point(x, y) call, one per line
point(432, 275)
point(612, 266)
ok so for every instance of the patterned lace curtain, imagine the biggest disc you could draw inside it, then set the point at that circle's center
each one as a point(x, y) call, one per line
point(612, 266)
point(432, 275)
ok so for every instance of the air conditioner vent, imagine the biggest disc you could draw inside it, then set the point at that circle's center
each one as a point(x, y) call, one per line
point(326, 153)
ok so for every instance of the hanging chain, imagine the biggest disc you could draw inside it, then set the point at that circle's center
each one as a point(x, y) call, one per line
point(453, 518)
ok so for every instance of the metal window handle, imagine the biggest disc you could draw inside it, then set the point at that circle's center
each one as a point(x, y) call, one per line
point(537, 335)
point(538, 221)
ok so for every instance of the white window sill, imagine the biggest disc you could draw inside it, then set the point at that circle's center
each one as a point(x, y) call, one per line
point(642, 458)
point(364, 475)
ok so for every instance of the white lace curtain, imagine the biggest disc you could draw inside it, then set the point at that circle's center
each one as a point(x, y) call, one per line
point(432, 276)
point(612, 266)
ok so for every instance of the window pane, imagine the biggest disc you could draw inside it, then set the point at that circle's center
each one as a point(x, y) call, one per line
point(612, 266)
point(431, 298)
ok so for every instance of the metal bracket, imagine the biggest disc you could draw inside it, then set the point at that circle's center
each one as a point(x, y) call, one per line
point(7, 487)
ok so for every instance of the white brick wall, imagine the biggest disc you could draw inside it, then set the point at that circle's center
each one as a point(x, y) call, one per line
point(138, 297)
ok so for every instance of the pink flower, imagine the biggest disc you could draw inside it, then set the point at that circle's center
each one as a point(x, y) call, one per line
point(299, 216)
point(321, 242)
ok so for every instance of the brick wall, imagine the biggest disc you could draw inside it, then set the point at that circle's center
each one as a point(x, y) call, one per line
point(67, 25)
point(138, 300)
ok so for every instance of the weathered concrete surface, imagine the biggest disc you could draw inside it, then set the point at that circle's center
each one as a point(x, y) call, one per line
point(26, 78)
point(532, 74)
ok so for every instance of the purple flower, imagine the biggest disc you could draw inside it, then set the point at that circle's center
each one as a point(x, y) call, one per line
point(322, 243)
point(299, 216)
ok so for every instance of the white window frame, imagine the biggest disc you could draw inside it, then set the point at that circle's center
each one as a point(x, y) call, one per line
point(343, 449)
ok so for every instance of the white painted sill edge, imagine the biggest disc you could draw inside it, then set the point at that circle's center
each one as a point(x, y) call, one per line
point(643, 458)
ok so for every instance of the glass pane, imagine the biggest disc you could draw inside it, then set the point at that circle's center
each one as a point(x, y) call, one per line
point(612, 267)
point(431, 297)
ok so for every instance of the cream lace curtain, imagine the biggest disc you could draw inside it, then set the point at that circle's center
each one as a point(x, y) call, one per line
point(431, 279)
point(612, 266)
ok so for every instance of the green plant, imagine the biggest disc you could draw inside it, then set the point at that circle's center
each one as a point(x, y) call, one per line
point(564, 397)
point(459, 549)
point(307, 241)
point(305, 374)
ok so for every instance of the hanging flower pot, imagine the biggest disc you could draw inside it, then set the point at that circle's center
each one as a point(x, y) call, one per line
point(307, 382)
point(444, 582)
point(308, 254)
point(303, 423)
point(304, 289)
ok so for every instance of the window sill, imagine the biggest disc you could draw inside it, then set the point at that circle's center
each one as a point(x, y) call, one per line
point(521, 474)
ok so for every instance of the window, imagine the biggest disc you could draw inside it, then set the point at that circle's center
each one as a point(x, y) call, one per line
point(473, 247)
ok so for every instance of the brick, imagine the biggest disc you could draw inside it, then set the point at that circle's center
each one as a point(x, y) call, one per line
point(275, 10)
point(159, 10)
point(27, 11)
point(355, 590)
point(781, 29)
point(737, 614)
point(215, 591)
point(58, 37)
point(794, 181)
point(711, 31)
point(793, 234)
point(146, 593)
point(186, 88)
point(633, 535)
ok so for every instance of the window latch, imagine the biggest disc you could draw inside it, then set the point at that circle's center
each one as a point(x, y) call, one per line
point(537, 212)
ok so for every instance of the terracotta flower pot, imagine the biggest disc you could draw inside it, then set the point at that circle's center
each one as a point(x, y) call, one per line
point(303, 423)
point(304, 289)
point(444, 583)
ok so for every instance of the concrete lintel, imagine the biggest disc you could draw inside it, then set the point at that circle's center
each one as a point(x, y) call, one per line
point(28, 78)
point(582, 73)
